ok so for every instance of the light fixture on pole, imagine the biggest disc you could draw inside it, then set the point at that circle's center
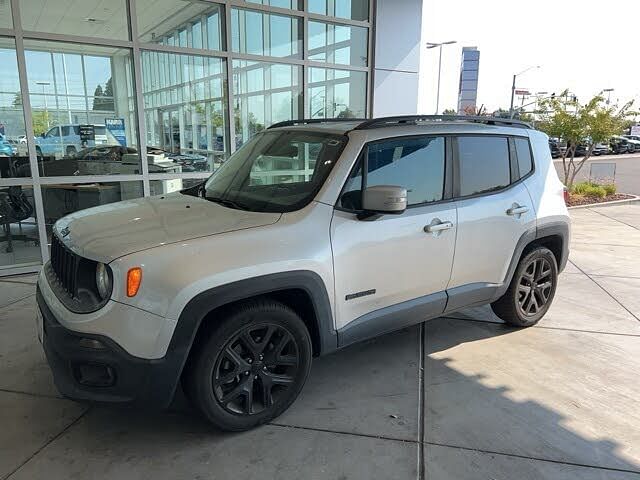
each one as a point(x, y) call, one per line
point(513, 86)
point(608, 92)
point(431, 45)
point(46, 112)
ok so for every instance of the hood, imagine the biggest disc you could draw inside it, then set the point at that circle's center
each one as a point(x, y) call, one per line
point(110, 231)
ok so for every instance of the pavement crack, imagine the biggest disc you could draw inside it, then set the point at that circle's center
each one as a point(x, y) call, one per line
point(421, 403)
point(613, 218)
point(53, 439)
point(538, 459)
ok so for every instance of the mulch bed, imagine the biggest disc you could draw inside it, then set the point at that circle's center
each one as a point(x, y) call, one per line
point(575, 200)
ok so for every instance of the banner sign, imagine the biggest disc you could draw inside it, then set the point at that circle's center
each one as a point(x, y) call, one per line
point(116, 127)
point(635, 130)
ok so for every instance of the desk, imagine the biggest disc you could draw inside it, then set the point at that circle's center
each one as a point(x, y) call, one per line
point(60, 200)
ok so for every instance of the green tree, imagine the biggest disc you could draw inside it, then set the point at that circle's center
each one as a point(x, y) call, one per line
point(41, 122)
point(449, 111)
point(98, 93)
point(565, 118)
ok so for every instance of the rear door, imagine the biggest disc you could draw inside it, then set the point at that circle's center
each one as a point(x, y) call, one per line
point(494, 212)
point(389, 271)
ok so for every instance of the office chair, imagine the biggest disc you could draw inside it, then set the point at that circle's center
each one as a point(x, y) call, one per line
point(14, 208)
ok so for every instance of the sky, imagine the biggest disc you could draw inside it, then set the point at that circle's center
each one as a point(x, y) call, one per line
point(585, 46)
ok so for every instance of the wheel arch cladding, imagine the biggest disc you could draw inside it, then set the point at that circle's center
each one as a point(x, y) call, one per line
point(301, 290)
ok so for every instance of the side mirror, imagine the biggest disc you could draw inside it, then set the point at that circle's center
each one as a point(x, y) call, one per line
point(384, 199)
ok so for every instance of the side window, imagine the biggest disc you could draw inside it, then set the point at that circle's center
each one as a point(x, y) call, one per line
point(484, 164)
point(525, 164)
point(416, 164)
point(65, 131)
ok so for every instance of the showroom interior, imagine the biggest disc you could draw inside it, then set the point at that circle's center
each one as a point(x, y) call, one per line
point(87, 83)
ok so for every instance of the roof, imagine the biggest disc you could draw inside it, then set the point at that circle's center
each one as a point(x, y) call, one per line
point(344, 125)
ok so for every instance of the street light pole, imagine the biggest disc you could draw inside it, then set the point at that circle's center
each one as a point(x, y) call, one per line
point(46, 111)
point(439, 45)
point(513, 87)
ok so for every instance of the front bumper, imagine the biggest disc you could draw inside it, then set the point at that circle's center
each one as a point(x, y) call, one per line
point(108, 374)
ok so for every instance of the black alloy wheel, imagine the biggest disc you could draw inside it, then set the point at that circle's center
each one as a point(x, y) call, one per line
point(535, 286)
point(249, 365)
point(255, 369)
point(531, 289)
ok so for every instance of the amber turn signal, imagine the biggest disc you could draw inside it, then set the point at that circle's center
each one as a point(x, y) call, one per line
point(134, 278)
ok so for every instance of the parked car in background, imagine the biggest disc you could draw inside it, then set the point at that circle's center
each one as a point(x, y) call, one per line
point(556, 151)
point(620, 145)
point(601, 149)
point(581, 150)
point(6, 148)
point(632, 137)
point(634, 145)
point(65, 140)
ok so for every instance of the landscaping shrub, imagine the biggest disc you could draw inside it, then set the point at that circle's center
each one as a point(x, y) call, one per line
point(610, 188)
point(589, 189)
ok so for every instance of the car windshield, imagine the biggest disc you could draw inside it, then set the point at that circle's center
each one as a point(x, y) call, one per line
point(276, 171)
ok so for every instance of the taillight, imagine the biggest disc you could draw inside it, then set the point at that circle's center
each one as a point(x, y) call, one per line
point(565, 192)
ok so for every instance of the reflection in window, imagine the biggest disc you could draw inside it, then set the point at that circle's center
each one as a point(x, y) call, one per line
point(260, 33)
point(351, 9)
point(14, 159)
point(290, 4)
point(19, 242)
point(89, 18)
point(5, 15)
point(337, 93)
point(416, 164)
point(484, 164)
point(341, 44)
point(181, 23)
point(264, 93)
point(82, 101)
point(184, 112)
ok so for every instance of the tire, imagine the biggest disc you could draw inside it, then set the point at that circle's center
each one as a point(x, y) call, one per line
point(71, 151)
point(38, 152)
point(521, 307)
point(233, 384)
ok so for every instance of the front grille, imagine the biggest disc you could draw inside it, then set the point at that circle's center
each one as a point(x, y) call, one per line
point(65, 265)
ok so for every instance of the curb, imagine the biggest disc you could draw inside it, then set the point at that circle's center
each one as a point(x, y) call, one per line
point(635, 198)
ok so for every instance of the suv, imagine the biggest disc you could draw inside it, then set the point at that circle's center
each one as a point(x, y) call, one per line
point(65, 140)
point(311, 237)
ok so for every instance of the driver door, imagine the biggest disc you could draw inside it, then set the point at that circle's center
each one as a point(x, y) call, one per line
point(392, 271)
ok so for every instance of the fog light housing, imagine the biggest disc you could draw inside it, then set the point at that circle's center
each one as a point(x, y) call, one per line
point(94, 375)
point(91, 343)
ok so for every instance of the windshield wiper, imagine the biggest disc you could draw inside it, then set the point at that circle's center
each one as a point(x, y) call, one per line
point(226, 202)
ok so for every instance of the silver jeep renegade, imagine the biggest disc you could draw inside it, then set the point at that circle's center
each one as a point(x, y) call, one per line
point(311, 237)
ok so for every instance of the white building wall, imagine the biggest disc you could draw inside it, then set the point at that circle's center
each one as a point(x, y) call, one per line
point(396, 57)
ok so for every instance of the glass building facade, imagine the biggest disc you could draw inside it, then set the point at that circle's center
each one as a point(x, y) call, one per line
point(118, 99)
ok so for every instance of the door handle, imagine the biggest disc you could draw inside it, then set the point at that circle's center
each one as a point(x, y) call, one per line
point(437, 226)
point(517, 210)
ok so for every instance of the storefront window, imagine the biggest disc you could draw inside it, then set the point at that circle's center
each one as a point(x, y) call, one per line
point(258, 33)
point(181, 23)
point(5, 15)
point(264, 93)
point(88, 18)
point(184, 112)
point(82, 107)
point(337, 93)
point(341, 44)
point(351, 9)
point(14, 159)
point(19, 241)
point(290, 4)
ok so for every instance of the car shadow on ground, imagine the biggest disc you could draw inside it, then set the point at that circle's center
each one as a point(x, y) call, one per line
point(487, 412)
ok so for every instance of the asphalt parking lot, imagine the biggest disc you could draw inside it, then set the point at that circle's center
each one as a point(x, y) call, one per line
point(463, 397)
point(627, 168)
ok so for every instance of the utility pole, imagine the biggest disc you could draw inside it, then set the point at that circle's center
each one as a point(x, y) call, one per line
point(513, 87)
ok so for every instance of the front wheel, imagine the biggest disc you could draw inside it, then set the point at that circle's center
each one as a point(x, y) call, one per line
point(531, 290)
point(252, 367)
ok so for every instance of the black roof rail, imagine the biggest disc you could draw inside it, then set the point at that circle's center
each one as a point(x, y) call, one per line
point(306, 121)
point(412, 119)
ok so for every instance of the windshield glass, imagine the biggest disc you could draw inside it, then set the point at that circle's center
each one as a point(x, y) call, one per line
point(277, 171)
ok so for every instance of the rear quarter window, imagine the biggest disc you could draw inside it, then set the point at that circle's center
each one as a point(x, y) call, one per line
point(483, 163)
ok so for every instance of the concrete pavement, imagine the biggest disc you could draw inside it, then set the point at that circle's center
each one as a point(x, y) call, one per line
point(463, 397)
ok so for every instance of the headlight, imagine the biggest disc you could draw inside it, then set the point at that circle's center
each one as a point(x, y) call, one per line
point(103, 281)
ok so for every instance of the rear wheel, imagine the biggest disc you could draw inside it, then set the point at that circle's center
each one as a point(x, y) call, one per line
point(252, 367)
point(71, 151)
point(531, 290)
